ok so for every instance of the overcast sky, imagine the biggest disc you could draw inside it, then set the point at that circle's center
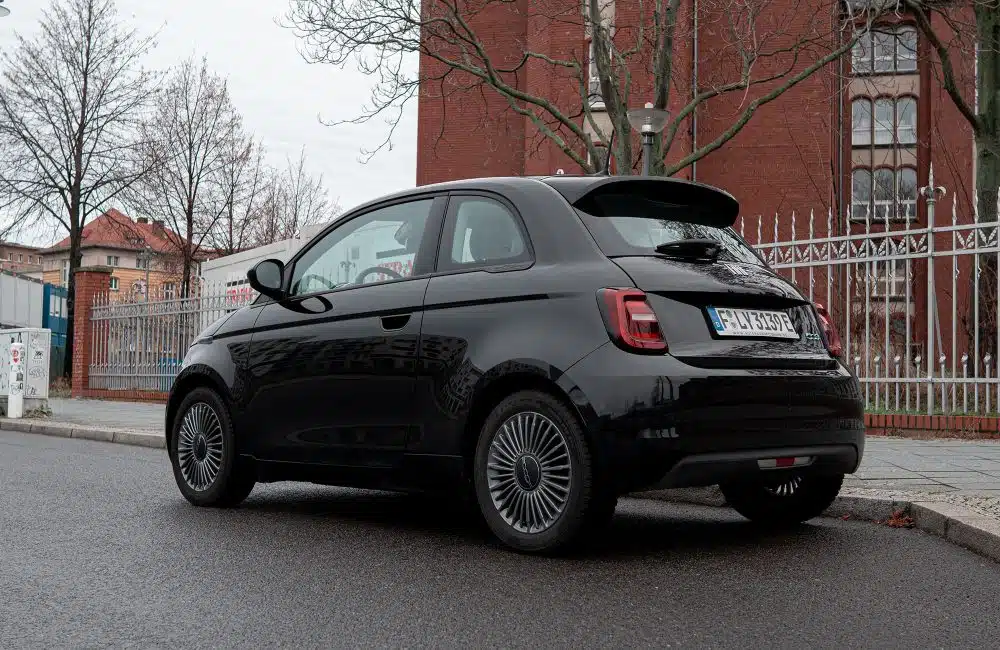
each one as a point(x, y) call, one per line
point(279, 94)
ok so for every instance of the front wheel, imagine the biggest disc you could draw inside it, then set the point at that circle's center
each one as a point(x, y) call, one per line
point(534, 475)
point(203, 454)
point(783, 500)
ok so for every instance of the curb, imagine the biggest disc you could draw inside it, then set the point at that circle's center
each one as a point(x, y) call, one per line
point(80, 432)
point(956, 524)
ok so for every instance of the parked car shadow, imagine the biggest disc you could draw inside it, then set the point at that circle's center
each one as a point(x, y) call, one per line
point(640, 527)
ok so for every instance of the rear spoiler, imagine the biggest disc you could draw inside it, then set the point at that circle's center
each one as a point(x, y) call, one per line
point(640, 195)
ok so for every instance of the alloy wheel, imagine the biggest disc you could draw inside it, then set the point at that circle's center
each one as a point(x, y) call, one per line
point(786, 487)
point(199, 446)
point(529, 472)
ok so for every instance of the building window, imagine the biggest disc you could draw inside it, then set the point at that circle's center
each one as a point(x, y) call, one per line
point(10, 257)
point(114, 283)
point(894, 121)
point(169, 290)
point(65, 271)
point(861, 129)
point(886, 51)
point(884, 194)
point(141, 263)
point(113, 260)
point(593, 80)
point(906, 120)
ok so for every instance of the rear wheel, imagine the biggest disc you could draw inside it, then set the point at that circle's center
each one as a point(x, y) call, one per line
point(203, 454)
point(534, 475)
point(783, 500)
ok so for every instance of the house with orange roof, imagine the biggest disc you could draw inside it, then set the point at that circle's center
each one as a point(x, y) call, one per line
point(128, 246)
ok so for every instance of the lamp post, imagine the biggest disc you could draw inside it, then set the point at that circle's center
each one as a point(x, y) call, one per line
point(648, 121)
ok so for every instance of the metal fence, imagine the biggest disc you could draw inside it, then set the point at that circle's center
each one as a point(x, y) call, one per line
point(139, 344)
point(888, 285)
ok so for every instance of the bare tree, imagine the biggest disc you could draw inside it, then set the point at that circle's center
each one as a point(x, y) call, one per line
point(239, 191)
point(764, 53)
point(69, 102)
point(295, 199)
point(187, 139)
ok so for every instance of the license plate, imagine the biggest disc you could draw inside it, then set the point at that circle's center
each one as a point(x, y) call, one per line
point(750, 323)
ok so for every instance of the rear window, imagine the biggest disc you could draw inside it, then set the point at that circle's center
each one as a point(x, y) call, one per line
point(628, 226)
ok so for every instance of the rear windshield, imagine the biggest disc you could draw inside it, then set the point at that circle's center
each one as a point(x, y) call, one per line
point(636, 226)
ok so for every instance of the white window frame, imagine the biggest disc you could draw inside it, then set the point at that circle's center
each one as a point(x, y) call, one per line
point(905, 135)
point(865, 203)
point(113, 283)
point(906, 208)
point(113, 260)
point(883, 133)
point(862, 137)
point(910, 60)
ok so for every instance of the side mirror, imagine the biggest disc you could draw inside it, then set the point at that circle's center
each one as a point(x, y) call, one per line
point(266, 277)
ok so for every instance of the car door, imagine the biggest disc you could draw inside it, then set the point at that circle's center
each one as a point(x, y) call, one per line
point(476, 298)
point(333, 365)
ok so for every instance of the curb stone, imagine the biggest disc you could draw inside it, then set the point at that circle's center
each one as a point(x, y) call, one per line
point(63, 430)
point(954, 523)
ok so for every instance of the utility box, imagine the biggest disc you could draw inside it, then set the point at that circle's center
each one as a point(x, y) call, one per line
point(37, 343)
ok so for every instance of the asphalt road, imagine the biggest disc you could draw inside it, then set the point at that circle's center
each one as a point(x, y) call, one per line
point(97, 549)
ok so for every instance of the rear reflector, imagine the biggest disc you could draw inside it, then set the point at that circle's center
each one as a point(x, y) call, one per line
point(631, 322)
point(788, 461)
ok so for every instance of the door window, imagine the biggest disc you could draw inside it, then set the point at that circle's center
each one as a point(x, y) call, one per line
point(378, 246)
point(483, 233)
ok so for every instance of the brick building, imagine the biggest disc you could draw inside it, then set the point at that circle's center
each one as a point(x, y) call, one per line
point(860, 134)
point(21, 259)
point(117, 241)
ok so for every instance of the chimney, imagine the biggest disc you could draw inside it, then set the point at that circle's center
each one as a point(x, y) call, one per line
point(141, 220)
point(158, 227)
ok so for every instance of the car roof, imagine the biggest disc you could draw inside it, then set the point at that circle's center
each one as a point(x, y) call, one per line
point(575, 187)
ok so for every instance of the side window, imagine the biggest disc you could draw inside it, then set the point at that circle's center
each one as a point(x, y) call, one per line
point(481, 232)
point(378, 246)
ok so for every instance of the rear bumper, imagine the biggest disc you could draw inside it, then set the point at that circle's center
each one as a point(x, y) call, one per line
point(656, 422)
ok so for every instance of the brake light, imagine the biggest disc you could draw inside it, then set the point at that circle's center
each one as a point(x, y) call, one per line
point(631, 322)
point(830, 336)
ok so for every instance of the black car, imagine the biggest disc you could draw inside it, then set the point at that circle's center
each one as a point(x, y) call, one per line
point(547, 344)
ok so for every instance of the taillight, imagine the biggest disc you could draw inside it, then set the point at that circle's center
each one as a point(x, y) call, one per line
point(830, 336)
point(630, 320)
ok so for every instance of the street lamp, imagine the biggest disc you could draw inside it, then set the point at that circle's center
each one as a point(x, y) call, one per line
point(648, 121)
point(4, 11)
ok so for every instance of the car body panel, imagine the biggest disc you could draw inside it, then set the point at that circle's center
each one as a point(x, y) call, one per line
point(321, 391)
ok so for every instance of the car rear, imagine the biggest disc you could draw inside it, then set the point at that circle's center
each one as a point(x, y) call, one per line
point(716, 369)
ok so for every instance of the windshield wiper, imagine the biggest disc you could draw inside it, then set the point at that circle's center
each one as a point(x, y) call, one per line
point(696, 250)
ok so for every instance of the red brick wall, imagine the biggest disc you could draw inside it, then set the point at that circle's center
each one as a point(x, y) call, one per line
point(90, 281)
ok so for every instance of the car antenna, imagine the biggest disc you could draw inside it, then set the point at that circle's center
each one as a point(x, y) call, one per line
point(607, 160)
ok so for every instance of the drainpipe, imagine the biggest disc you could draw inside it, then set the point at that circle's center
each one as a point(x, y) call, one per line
point(694, 93)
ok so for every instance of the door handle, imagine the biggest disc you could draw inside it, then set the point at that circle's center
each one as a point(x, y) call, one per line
point(396, 322)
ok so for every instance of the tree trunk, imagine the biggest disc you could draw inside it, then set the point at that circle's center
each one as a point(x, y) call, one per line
point(75, 258)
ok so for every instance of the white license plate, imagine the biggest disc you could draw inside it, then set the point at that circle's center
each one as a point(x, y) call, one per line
point(751, 323)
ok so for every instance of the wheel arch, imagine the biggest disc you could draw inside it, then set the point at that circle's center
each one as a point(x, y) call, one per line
point(192, 377)
point(515, 377)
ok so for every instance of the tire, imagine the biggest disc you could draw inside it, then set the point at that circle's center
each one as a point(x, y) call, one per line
point(192, 452)
point(787, 501)
point(534, 476)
